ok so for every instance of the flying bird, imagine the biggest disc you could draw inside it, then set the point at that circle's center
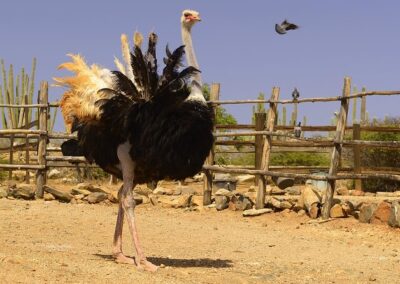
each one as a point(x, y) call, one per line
point(137, 124)
point(284, 27)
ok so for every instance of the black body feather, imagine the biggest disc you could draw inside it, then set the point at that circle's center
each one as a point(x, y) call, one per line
point(170, 136)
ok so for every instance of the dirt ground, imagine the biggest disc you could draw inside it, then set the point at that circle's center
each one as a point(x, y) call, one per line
point(48, 242)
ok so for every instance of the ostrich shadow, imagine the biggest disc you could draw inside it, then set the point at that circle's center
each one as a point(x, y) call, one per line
point(181, 262)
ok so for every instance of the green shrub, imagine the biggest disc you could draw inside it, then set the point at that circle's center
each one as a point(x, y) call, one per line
point(381, 157)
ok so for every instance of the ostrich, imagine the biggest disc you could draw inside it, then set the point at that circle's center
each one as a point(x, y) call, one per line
point(141, 127)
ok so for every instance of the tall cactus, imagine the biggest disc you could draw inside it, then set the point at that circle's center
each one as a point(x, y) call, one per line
point(363, 114)
point(19, 91)
point(354, 117)
point(284, 116)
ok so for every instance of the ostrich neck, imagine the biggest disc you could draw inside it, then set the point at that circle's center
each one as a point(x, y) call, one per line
point(190, 55)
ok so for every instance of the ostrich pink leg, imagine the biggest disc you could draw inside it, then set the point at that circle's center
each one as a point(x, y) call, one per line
point(128, 205)
point(117, 243)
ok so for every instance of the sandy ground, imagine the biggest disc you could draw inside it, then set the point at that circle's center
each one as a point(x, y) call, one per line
point(48, 242)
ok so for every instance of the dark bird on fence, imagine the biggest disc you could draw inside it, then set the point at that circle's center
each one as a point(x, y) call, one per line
point(295, 94)
point(284, 27)
point(297, 130)
point(140, 125)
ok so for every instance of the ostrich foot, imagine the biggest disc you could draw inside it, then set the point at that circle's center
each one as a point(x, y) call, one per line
point(144, 264)
point(121, 258)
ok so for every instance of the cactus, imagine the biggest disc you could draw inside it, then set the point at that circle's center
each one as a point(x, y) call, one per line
point(363, 114)
point(18, 91)
point(284, 116)
point(354, 117)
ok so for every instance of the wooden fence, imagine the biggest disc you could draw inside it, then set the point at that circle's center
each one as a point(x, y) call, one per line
point(264, 130)
point(264, 142)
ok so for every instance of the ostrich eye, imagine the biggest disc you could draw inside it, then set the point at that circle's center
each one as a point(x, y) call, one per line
point(187, 14)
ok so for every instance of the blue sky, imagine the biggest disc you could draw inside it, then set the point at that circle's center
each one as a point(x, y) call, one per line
point(236, 44)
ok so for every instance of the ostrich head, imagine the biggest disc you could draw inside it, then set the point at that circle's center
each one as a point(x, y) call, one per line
point(189, 18)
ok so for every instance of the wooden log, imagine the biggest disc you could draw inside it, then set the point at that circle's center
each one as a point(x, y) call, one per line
point(302, 176)
point(337, 149)
point(235, 126)
point(309, 100)
point(380, 144)
point(62, 136)
point(21, 131)
point(318, 128)
point(263, 173)
point(66, 159)
point(260, 200)
point(22, 105)
point(43, 111)
point(259, 141)
point(207, 182)
point(21, 167)
point(357, 156)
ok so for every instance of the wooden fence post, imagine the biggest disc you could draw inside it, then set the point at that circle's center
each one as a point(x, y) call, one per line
point(337, 149)
point(207, 186)
point(11, 156)
point(41, 174)
point(357, 155)
point(26, 114)
point(260, 119)
point(262, 182)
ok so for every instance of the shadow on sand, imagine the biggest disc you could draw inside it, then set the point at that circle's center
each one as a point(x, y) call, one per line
point(181, 262)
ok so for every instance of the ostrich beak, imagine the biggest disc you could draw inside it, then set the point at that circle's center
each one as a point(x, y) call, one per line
point(196, 18)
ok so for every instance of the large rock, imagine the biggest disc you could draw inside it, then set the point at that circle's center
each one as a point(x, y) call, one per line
point(90, 187)
point(394, 218)
point(160, 191)
point(174, 202)
point(252, 196)
point(310, 200)
point(348, 208)
point(48, 197)
point(96, 197)
point(240, 203)
point(366, 212)
point(382, 213)
point(184, 189)
point(24, 191)
point(293, 190)
point(182, 201)
point(143, 190)
point(58, 194)
point(221, 202)
point(54, 173)
point(337, 211)
point(224, 192)
point(79, 191)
